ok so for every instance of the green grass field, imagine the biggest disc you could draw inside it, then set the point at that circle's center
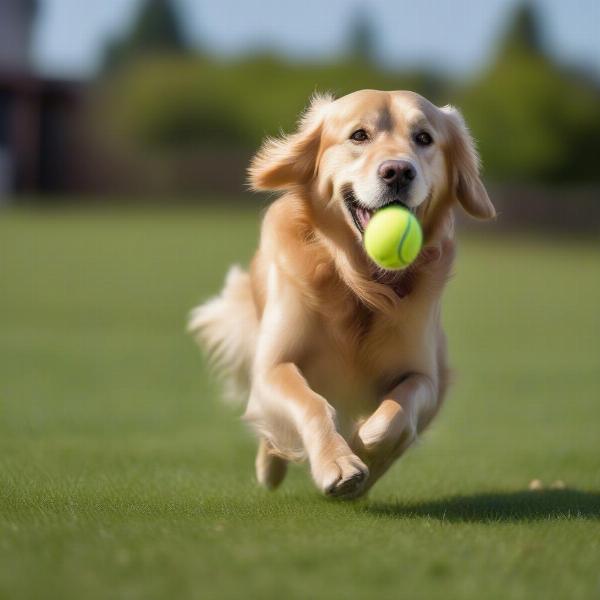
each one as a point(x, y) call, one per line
point(123, 476)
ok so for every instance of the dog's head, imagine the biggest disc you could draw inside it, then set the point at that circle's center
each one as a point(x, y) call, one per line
point(372, 148)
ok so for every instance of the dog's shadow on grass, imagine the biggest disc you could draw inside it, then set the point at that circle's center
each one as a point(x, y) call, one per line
point(498, 507)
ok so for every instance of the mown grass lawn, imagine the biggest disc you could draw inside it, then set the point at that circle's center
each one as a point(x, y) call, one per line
point(122, 476)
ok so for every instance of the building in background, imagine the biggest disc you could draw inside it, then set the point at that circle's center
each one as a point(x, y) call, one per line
point(38, 116)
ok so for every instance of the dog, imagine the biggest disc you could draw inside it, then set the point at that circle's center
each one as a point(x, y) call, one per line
point(340, 362)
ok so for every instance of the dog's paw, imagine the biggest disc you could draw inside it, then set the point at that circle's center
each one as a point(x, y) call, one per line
point(270, 469)
point(344, 477)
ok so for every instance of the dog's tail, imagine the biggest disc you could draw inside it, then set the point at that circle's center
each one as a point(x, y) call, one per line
point(227, 327)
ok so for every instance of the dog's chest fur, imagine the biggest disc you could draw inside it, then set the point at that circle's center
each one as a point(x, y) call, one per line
point(357, 354)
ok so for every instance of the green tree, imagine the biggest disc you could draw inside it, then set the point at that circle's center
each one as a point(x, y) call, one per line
point(362, 39)
point(157, 29)
point(525, 32)
point(533, 119)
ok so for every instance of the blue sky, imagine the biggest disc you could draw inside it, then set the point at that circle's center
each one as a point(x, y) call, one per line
point(455, 36)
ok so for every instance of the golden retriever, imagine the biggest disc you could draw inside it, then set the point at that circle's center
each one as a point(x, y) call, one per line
point(342, 362)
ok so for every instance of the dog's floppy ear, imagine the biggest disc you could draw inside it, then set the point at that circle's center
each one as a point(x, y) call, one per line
point(291, 159)
point(463, 156)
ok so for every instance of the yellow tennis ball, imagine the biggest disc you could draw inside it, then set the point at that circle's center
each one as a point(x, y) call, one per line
point(393, 237)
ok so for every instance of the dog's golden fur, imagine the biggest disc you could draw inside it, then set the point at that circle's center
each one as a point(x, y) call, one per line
point(343, 363)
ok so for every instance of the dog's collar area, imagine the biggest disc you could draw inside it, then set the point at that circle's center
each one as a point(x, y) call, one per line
point(402, 282)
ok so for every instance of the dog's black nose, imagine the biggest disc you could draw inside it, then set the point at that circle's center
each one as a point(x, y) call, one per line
point(396, 172)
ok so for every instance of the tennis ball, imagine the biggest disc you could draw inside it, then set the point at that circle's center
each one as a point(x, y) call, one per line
point(393, 237)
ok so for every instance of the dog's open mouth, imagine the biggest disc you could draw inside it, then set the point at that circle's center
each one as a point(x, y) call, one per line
point(359, 213)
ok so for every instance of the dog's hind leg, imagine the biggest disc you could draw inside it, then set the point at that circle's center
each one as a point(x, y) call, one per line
point(270, 468)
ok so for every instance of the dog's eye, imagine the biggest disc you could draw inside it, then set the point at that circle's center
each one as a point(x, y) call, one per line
point(423, 139)
point(360, 135)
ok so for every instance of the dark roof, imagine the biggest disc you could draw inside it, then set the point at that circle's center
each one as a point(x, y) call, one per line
point(31, 84)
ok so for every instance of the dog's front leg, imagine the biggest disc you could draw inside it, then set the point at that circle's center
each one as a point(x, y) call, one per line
point(394, 426)
point(294, 419)
point(285, 402)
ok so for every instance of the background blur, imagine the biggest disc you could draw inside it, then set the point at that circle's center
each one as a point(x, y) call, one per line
point(125, 131)
point(168, 98)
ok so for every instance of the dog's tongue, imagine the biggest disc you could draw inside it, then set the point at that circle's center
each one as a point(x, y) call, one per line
point(364, 216)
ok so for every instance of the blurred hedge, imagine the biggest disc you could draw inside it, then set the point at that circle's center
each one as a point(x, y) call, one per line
point(171, 103)
point(532, 120)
